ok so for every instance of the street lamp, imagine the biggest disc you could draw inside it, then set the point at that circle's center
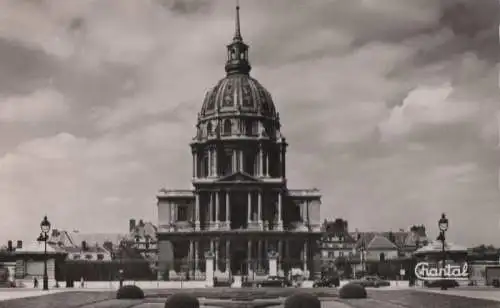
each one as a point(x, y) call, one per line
point(44, 237)
point(362, 250)
point(443, 227)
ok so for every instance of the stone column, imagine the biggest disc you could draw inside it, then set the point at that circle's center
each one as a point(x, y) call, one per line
point(196, 257)
point(210, 209)
point(217, 208)
point(235, 162)
point(190, 258)
point(261, 162)
point(197, 211)
point(195, 165)
point(228, 208)
point(249, 256)
point(216, 163)
point(249, 207)
point(228, 257)
point(217, 248)
point(209, 162)
point(259, 210)
point(280, 255)
point(209, 259)
point(267, 164)
point(171, 218)
point(283, 161)
point(280, 220)
point(305, 256)
point(241, 161)
point(259, 255)
point(306, 212)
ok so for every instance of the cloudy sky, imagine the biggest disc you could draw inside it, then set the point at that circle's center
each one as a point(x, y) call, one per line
point(389, 106)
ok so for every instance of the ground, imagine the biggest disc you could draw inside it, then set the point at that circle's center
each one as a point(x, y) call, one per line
point(220, 297)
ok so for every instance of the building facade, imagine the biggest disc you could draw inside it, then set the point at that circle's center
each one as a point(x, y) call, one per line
point(240, 209)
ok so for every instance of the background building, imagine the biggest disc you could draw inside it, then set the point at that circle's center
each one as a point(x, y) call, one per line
point(240, 209)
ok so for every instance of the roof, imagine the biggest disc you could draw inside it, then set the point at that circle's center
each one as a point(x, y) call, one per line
point(401, 239)
point(93, 239)
point(147, 229)
point(380, 242)
point(436, 247)
point(91, 249)
point(39, 248)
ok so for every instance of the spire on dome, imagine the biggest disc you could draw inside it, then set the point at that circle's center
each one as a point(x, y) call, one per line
point(237, 57)
point(237, 33)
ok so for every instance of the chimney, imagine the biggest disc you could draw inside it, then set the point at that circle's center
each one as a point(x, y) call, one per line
point(19, 244)
point(131, 225)
point(9, 246)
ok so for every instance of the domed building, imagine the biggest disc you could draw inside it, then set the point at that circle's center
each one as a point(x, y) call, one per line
point(240, 212)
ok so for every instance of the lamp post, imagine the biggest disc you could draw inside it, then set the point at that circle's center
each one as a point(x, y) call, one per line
point(362, 250)
point(44, 237)
point(120, 270)
point(443, 227)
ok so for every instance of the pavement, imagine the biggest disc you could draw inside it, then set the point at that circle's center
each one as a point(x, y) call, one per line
point(6, 294)
point(489, 294)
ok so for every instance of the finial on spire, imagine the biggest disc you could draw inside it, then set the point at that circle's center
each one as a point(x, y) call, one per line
point(237, 33)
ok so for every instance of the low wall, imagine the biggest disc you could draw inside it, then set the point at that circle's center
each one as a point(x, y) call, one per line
point(113, 285)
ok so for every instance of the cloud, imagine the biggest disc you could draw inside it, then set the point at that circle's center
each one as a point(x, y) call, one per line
point(388, 106)
point(40, 106)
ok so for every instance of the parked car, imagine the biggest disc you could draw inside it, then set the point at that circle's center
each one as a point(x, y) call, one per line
point(448, 283)
point(218, 282)
point(372, 281)
point(275, 281)
point(327, 282)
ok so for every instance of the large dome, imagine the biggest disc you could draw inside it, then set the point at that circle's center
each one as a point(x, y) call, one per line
point(238, 93)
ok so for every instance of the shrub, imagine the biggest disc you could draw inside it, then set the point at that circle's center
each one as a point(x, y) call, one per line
point(352, 290)
point(302, 300)
point(130, 292)
point(182, 300)
point(447, 283)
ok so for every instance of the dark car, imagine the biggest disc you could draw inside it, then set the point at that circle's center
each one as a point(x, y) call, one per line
point(447, 283)
point(372, 281)
point(327, 282)
point(275, 281)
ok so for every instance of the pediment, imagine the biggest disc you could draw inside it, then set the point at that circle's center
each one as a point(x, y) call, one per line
point(238, 177)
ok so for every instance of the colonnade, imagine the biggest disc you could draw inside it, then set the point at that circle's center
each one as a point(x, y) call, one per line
point(214, 203)
point(237, 159)
point(257, 249)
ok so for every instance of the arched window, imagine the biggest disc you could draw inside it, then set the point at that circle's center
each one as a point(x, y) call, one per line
point(205, 165)
point(249, 127)
point(209, 128)
point(227, 127)
point(382, 256)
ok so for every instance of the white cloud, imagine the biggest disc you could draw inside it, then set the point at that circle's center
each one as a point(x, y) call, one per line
point(40, 106)
point(334, 79)
point(426, 105)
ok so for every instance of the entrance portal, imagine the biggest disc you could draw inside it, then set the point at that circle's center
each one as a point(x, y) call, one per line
point(238, 262)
